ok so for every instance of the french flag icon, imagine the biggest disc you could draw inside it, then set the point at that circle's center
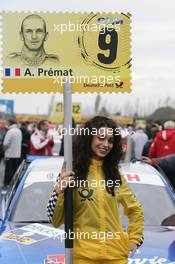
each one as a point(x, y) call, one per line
point(10, 72)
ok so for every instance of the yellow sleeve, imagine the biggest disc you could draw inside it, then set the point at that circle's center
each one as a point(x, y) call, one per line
point(134, 211)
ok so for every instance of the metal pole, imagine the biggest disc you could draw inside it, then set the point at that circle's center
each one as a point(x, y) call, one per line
point(68, 196)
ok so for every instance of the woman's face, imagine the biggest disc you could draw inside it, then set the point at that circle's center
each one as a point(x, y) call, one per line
point(102, 143)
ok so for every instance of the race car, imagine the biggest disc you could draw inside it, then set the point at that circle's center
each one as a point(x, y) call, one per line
point(158, 201)
point(27, 237)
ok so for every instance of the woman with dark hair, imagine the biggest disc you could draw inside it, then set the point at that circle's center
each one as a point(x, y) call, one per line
point(99, 189)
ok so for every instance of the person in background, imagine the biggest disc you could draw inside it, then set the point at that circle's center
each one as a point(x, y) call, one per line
point(96, 155)
point(40, 142)
point(12, 150)
point(154, 129)
point(164, 142)
point(139, 139)
point(157, 123)
point(3, 131)
point(167, 164)
point(25, 140)
point(31, 127)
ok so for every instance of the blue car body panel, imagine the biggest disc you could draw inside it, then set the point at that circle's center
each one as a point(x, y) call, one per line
point(159, 247)
point(15, 252)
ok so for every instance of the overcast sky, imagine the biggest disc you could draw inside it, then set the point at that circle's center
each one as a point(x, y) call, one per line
point(153, 52)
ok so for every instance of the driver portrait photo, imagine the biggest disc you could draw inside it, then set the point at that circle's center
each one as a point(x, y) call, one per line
point(33, 34)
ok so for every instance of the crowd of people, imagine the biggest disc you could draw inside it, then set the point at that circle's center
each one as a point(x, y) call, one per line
point(154, 144)
point(17, 140)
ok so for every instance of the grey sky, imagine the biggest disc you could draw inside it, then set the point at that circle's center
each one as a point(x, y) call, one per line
point(153, 52)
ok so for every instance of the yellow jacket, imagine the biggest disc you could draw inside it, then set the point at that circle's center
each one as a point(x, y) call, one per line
point(97, 226)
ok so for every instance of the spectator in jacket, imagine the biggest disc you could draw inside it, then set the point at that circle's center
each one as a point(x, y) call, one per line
point(164, 142)
point(40, 142)
point(154, 129)
point(96, 156)
point(12, 150)
point(167, 164)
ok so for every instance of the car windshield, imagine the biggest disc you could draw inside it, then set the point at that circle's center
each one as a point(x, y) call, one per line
point(152, 193)
point(32, 202)
point(156, 203)
point(31, 205)
point(155, 200)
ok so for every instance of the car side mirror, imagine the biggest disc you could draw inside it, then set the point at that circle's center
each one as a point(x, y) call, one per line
point(169, 221)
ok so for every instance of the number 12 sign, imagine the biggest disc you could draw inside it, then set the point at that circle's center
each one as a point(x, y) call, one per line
point(57, 114)
point(45, 50)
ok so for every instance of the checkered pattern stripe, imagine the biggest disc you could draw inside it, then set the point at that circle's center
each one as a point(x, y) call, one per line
point(51, 205)
point(140, 243)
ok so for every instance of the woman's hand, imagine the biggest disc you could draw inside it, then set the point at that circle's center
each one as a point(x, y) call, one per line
point(133, 248)
point(65, 179)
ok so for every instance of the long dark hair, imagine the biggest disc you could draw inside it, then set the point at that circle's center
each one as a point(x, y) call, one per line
point(82, 153)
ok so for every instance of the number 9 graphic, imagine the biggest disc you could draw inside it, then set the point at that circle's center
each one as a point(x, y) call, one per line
point(111, 46)
point(108, 47)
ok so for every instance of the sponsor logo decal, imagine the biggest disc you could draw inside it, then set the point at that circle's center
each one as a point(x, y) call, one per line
point(18, 238)
point(55, 259)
